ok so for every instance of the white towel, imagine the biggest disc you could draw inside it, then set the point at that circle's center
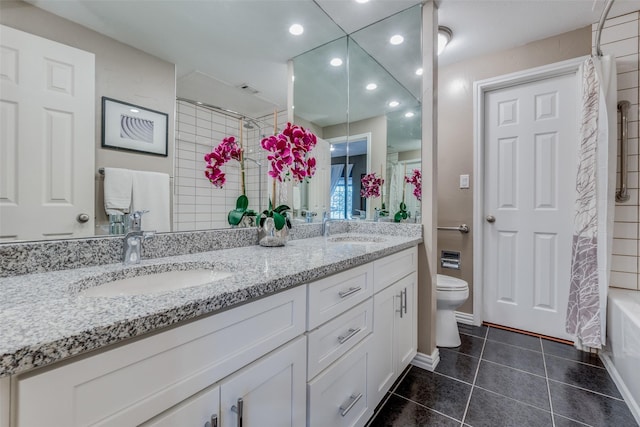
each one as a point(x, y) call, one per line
point(151, 193)
point(118, 184)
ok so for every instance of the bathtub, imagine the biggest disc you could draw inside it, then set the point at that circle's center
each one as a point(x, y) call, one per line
point(622, 354)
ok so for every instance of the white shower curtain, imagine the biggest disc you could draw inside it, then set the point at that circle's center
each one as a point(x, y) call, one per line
point(594, 207)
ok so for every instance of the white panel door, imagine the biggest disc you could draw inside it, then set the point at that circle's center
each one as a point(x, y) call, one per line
point(530, 168)
point(47, 138)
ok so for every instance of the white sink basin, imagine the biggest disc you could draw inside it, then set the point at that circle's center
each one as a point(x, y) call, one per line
point(355, 239)
point(156, 283)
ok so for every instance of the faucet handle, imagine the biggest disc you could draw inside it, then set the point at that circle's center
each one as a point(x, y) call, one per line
point(135, 220)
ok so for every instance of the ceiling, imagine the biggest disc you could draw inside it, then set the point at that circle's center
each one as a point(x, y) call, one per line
point(218, 45)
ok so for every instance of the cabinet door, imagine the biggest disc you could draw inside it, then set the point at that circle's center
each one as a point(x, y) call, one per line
point(405, 333)
point(383, 366)
point(338, 397)
point(269, 392)
point(195, 411)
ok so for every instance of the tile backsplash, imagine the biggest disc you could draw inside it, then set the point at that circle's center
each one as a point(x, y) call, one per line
point(620, 38)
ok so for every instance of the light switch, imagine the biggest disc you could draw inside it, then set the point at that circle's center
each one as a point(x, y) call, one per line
point(464, 181)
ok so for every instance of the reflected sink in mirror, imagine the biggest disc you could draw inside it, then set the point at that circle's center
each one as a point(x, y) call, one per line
point(355, 239)
point(156, 283)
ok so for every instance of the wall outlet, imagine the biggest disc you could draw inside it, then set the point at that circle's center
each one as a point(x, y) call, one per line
point(464, 181)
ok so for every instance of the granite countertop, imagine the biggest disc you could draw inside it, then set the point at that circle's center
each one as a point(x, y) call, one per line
point(45, 318)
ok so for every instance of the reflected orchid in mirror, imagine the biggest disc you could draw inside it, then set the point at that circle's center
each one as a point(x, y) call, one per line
point(371, 184)
point(227, 150)
point(416, 180)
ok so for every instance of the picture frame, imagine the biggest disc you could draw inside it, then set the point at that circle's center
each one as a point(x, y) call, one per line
point(131, 127)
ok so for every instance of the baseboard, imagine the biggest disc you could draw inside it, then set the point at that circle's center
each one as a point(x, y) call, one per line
point(634, 406)
point(465, 318)
point(425, 361)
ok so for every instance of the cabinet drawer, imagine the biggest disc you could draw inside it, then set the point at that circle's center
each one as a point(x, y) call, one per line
point(394, 267)
point(132, 383)
point(336, 337)
point(195, 411)
point(331, 296)
point(338, 396)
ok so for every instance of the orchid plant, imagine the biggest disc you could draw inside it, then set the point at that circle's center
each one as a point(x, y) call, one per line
point(289, 160)
point(416, 180)
point(228, 150)
point(372, 187)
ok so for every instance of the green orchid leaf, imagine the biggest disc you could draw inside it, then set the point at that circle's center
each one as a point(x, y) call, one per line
point(397, 217)
point(282, 208)
point(270, 206)
point(250, 212)
point(242, 202)
point(279, 220)
point(235, 216)
point(403, 206)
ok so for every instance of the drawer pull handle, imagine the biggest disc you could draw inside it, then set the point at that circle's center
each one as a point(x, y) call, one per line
point(350, 333)
point(349, 291)
point(238, 410)
point(346, 407)
point(401, 304)
point(213, 422)
point(405, 300)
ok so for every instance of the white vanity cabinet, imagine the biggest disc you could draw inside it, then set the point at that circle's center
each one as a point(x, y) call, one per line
point(395, 337)
point(135, 382)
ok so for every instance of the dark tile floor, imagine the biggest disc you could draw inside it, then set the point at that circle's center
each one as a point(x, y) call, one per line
point(501, 378)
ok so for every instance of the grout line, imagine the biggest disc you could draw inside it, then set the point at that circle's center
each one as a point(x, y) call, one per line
point(453, 378)
point(586, 389)
point(515, 369)
point(475, 377)
point(426, 407)
point(546, 378)
point(575, 421)
point(516, 400)
point(576, 361)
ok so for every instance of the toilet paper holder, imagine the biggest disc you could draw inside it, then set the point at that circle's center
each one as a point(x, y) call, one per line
point(450, 259)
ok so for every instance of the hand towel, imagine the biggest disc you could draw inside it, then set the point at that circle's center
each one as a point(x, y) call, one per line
point(151, 193)
point(118, 184)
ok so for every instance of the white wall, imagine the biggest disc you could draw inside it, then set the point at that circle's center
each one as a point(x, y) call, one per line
point(620, 38)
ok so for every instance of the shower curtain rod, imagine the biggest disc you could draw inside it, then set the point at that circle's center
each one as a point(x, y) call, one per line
point(603, 18)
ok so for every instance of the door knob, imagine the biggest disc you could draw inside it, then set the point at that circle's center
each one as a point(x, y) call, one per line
point(491, 218)
point(83, 217)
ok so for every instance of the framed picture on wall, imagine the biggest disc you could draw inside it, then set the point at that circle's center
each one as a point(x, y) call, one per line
point(133, 128)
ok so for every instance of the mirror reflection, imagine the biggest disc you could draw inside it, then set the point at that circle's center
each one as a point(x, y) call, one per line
point(208, 110)
point(381, 131)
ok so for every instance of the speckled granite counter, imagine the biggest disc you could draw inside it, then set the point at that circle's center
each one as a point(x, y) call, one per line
point(45, 319)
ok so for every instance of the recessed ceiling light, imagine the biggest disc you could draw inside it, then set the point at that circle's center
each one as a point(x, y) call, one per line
point(444, 37)
point(419, 72)
point(362, 1)
point(336, 62)
point(372, 86)
point(397, 39)
point(393, 104)
point(409, 114)
point(296, 29)
point(332, 148)
point(133, 110)
point(198, 102)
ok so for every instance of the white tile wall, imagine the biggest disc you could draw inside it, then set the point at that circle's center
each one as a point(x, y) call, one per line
point(621, 37)
point(198, 204)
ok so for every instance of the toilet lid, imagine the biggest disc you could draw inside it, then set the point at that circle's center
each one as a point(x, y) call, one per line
point(448, 283)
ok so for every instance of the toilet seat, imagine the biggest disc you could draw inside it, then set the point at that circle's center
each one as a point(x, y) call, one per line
point(448, 283)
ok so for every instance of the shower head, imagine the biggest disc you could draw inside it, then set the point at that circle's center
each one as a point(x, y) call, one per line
point(250, 124)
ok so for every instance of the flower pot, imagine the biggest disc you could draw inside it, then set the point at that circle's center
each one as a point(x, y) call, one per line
point(268, 235)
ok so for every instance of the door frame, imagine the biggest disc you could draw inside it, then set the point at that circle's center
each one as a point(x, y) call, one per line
point(480, 88)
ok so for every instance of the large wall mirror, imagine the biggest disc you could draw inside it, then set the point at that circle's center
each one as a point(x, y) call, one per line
point(365, 133)
point(377, 126)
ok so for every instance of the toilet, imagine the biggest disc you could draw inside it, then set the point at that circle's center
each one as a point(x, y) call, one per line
point(451, 293)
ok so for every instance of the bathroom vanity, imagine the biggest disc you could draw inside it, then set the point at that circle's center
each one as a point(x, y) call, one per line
point(315, 342)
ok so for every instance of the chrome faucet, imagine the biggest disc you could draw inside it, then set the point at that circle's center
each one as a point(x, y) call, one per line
point(308, 215)
point(132, 248)
point(325, 223)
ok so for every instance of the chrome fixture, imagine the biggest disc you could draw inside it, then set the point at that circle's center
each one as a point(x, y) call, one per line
point(444, 37)
point(623, 194)
point(464, 228)
point(603, 18)
point(325, 223)
point(132, 247)
point(308, 215)
point(238, 409)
